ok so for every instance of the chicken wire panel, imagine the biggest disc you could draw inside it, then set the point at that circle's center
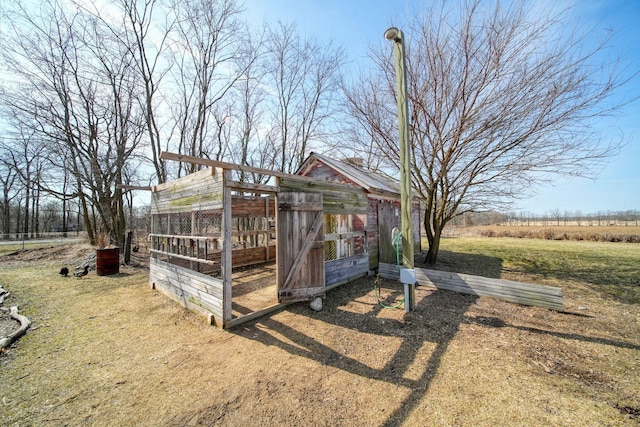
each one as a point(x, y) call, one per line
point(207, 223)
point(197, 223)
point(344, 236)
point(330, 247)
point(160, 224)
point(189, 239)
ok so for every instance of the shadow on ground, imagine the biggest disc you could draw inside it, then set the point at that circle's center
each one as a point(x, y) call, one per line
point(436, 321)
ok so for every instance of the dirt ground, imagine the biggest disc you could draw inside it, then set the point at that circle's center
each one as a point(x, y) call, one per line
point(109, 351)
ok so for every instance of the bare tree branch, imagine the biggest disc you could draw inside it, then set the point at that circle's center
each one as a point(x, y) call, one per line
point(500, 101)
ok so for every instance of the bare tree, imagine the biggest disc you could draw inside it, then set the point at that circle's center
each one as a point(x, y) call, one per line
point(306, 78)
point(148, 48)
point(77, 95)
point(25, 156)
point(213, 50)
point(249, 148)
point(9, 178)
point(500, 101)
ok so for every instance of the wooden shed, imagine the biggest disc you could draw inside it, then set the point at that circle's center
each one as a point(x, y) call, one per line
point(234, 251)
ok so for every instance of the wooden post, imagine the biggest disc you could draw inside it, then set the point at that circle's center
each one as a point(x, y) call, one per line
point(227, 244)
point(127, 248)
point(193, 233)
point(266, 217)
point(405, 161)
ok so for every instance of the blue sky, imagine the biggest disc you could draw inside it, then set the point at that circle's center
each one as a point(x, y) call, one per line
point(357, 24)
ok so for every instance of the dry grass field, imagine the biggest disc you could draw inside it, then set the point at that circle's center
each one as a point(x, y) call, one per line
point(626, 234)
point(109, 351)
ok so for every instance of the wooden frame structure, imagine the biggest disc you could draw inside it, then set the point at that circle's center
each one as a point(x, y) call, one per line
point(324, 230)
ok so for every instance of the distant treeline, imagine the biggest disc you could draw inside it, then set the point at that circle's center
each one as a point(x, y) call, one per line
point(44, 216)
point(591, 234)
point(549, 219)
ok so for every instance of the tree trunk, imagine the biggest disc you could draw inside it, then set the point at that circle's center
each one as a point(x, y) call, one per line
point(433, 226)
point(25, 230)
point(434, 248)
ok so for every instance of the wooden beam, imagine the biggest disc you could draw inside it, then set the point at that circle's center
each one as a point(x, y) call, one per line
point(216, 163)
point(250, 169)
point(253, 188)
point(134, 187)
point(255, 314)
point(187, 258)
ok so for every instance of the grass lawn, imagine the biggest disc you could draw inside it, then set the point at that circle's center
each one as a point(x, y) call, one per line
point(110, 351)
point(611, 270)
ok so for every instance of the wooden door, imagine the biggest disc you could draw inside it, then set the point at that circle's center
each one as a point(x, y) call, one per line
point(300, 247)
point(388, 218)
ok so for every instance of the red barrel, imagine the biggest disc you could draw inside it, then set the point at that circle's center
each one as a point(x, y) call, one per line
point(107, 261)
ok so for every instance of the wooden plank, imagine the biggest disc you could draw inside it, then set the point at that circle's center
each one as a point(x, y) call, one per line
point(134, 187)
point(226, 262)
point(182, 236)
point(231, 166)
point(199, 190)
point(341, 236)
point(387, 220)
point(337, 198)
point(371, 226)
point(309, 241)
point(251, 255)
point(252, 187)
point(342, 282)
point(480, 281)
point(517, 292)
point(206, 289)
point(253, 206)
point(224, 165)
point(345, 269)
point(186, 286)
point(389, 271)
point(210, 283)
point(255, 314)
point(184, 257)
point(300, 246)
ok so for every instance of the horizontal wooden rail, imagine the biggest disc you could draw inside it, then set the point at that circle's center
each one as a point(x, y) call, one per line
point(185, 257)
point(342, 236)
point(182, 236)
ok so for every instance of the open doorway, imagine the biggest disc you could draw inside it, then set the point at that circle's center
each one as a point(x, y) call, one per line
point(253, 279)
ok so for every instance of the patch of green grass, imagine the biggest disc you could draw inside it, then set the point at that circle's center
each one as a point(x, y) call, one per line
point(611, 269)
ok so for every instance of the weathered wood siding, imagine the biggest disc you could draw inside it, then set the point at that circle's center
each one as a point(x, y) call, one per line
point(253, 206)
point(508, 290)
point(201, 190)
point(388, 219)
point(250, 256)
point(319, 170)
point(337, 198)
point(300, 247)
point(192, 289)
point(346, 269)
point(389, 271)
point(372, 233)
